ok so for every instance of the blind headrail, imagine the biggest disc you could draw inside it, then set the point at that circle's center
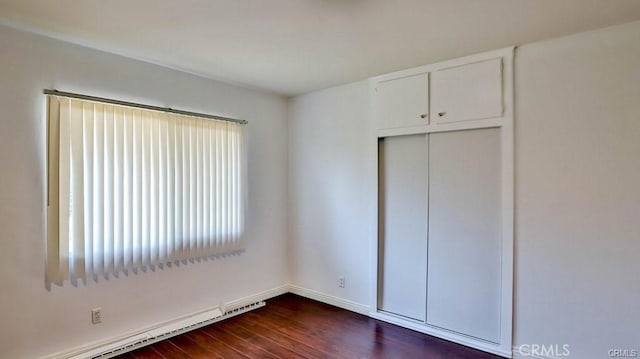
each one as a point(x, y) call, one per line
point(139, 105)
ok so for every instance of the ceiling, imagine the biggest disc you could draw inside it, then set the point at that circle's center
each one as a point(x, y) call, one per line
point(297, 46)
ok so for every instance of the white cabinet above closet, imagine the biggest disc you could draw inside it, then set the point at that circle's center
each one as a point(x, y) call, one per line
point(449, 95)
point(467, 92)
point(402, 102)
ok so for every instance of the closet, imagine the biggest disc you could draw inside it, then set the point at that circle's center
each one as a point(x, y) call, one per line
point(444, 247)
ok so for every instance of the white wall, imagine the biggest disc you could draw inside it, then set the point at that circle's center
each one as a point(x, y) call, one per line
point(577, 191)
point(330, 188)
point(35, 322)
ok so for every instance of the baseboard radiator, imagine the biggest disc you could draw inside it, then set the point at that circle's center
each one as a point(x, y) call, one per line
point(162, 332)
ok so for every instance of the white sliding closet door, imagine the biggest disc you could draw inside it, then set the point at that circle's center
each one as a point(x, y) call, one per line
point(403, 225)
point(464, 254)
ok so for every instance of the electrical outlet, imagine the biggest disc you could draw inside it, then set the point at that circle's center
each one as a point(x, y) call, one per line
point(341, 282)
point(96, 315)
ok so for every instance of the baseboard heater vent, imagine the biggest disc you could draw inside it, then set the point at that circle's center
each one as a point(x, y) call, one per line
point(166, 331)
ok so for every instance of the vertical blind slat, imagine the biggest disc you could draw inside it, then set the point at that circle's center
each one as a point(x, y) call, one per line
point(52, 272)
point(109, 199)
point(88, 186)
point(118, 194)
point(99, 193)
point(186, 191)
point(234, 174)
point(192, 188)
point(224, 183)
point(138, 167)
point(153, 192)
point(162, 199)
point(145, 182)
point(213, 196)
point(65, 187)
point(200, 192)
point(170, 173)
point(218, 184)
point(178, 190)
point(206, 194)
point(128, 163)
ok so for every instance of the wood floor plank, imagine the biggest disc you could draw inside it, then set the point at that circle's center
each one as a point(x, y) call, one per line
point(315, 337)
point(127, 356)
point(298, 346)
point(145, 353)
point(318, 341)
point(192, 349)
point(214, 345)
point(247, 348)
point(350, 322)
point(266, 344)
point(344, 331)
point(290, 326)
point(170, 351)
point(345, 338)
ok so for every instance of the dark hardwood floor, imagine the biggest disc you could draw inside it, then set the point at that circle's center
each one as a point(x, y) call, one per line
point(290, 326)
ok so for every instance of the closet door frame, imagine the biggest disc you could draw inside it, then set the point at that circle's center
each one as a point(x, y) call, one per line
point(506, 125)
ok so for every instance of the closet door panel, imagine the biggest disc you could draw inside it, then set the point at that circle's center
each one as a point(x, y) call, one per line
point(464, 254)
point(403, 225)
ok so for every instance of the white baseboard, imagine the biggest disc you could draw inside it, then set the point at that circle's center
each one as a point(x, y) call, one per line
point(225, 310)
point(267, 294)
point(329, 299)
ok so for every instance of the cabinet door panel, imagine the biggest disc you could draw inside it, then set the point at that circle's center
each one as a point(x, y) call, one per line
point(403, 102)
point(464, 260)
point(403, 225)
point(468, 92)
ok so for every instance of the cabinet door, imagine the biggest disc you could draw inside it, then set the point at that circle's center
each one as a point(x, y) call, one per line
point(467, 92)
point(464, 264)
point(402, 102)
point(403, 226)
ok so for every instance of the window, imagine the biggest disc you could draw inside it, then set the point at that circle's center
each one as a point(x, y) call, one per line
point(133, 189)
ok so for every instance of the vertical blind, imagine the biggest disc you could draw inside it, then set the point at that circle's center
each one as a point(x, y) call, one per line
point(130, 189)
